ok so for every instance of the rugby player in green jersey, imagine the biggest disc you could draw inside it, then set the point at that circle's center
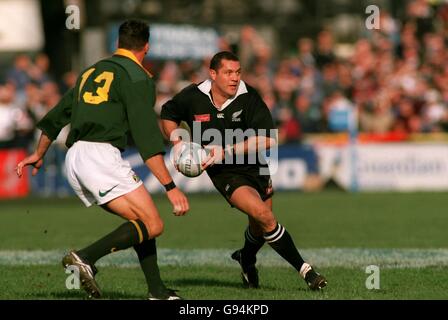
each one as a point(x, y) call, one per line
point(112, 98)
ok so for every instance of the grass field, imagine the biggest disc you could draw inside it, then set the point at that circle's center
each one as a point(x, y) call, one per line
point(404, 234)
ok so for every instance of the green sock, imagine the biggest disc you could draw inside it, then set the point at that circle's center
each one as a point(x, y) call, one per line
point(128, 234)
point(147, 255)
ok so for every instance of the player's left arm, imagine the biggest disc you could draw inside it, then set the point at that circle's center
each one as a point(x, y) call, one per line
point(251, 144)
point(257, 117)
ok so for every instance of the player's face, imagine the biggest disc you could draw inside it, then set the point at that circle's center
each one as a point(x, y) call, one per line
point(227, 77)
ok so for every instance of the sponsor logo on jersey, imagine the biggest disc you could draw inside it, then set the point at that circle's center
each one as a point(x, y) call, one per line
point(220, 115)
point(202, 117)
point(236, 116)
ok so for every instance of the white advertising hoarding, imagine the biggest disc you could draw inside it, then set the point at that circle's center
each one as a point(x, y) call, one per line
point(20, 26)
point(400, 167)
point(182, 42)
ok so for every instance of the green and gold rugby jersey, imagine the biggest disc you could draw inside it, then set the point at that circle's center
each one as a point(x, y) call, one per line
point(111, 98)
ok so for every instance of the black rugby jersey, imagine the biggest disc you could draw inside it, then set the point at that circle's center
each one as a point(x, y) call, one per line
point(243, 115)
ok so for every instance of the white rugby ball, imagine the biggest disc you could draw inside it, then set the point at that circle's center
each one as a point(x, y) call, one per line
point(190, 158)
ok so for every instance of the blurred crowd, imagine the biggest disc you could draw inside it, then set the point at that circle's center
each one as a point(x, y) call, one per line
point(27, 93)
point(394, 79)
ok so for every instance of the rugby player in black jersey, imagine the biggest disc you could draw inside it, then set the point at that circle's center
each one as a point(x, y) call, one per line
point(234, 123)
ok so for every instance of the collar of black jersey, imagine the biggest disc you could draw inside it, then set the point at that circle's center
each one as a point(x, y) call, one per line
point(206, 86)
point(128, 54)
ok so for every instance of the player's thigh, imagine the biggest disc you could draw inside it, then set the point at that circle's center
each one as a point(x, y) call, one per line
point(248, 200)
point(138, 204)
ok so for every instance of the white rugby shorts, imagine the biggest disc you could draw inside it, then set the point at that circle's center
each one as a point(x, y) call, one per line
point(97, 172)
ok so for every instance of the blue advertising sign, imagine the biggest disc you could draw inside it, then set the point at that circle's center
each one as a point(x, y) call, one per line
point(169, 41)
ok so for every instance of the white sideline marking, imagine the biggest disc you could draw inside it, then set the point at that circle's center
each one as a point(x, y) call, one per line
point(326, 257)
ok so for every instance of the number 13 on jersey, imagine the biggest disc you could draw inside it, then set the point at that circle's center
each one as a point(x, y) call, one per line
point(102, 92)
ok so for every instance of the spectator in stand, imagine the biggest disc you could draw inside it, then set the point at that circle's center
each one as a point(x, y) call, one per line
point(68, 81)
point(14, 122)
point(38, 72)
point(324, 52)
point(376, 117)
point(18, 74)
point(307, 115)
point(305, 48)
point(337, 110)
point(434, 111)
point(289, 127)
point(421, 13)
point(34, 105)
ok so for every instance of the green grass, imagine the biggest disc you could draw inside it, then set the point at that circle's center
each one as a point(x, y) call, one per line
point(325, 220)
point(211, 282)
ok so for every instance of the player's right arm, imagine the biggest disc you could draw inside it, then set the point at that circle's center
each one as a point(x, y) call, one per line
point(51, 124)
point(172, 114)
point(168, 126)
point(177, 198)
point(140, 97)
point(35, 159)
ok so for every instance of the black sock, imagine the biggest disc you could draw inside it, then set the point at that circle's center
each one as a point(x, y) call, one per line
point(280, 240)
point(128, 234)
point(252, 245)
point(147, 255)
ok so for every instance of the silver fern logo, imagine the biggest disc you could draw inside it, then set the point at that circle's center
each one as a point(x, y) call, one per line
point(236, 116)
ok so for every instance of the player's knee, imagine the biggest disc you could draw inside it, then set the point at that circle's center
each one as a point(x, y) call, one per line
point(155, 228)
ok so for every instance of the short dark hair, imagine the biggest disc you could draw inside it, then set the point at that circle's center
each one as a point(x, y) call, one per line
point(215, 63)
point(133, 35)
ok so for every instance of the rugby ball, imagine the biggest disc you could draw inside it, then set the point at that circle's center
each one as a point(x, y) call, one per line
point(189, 159)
